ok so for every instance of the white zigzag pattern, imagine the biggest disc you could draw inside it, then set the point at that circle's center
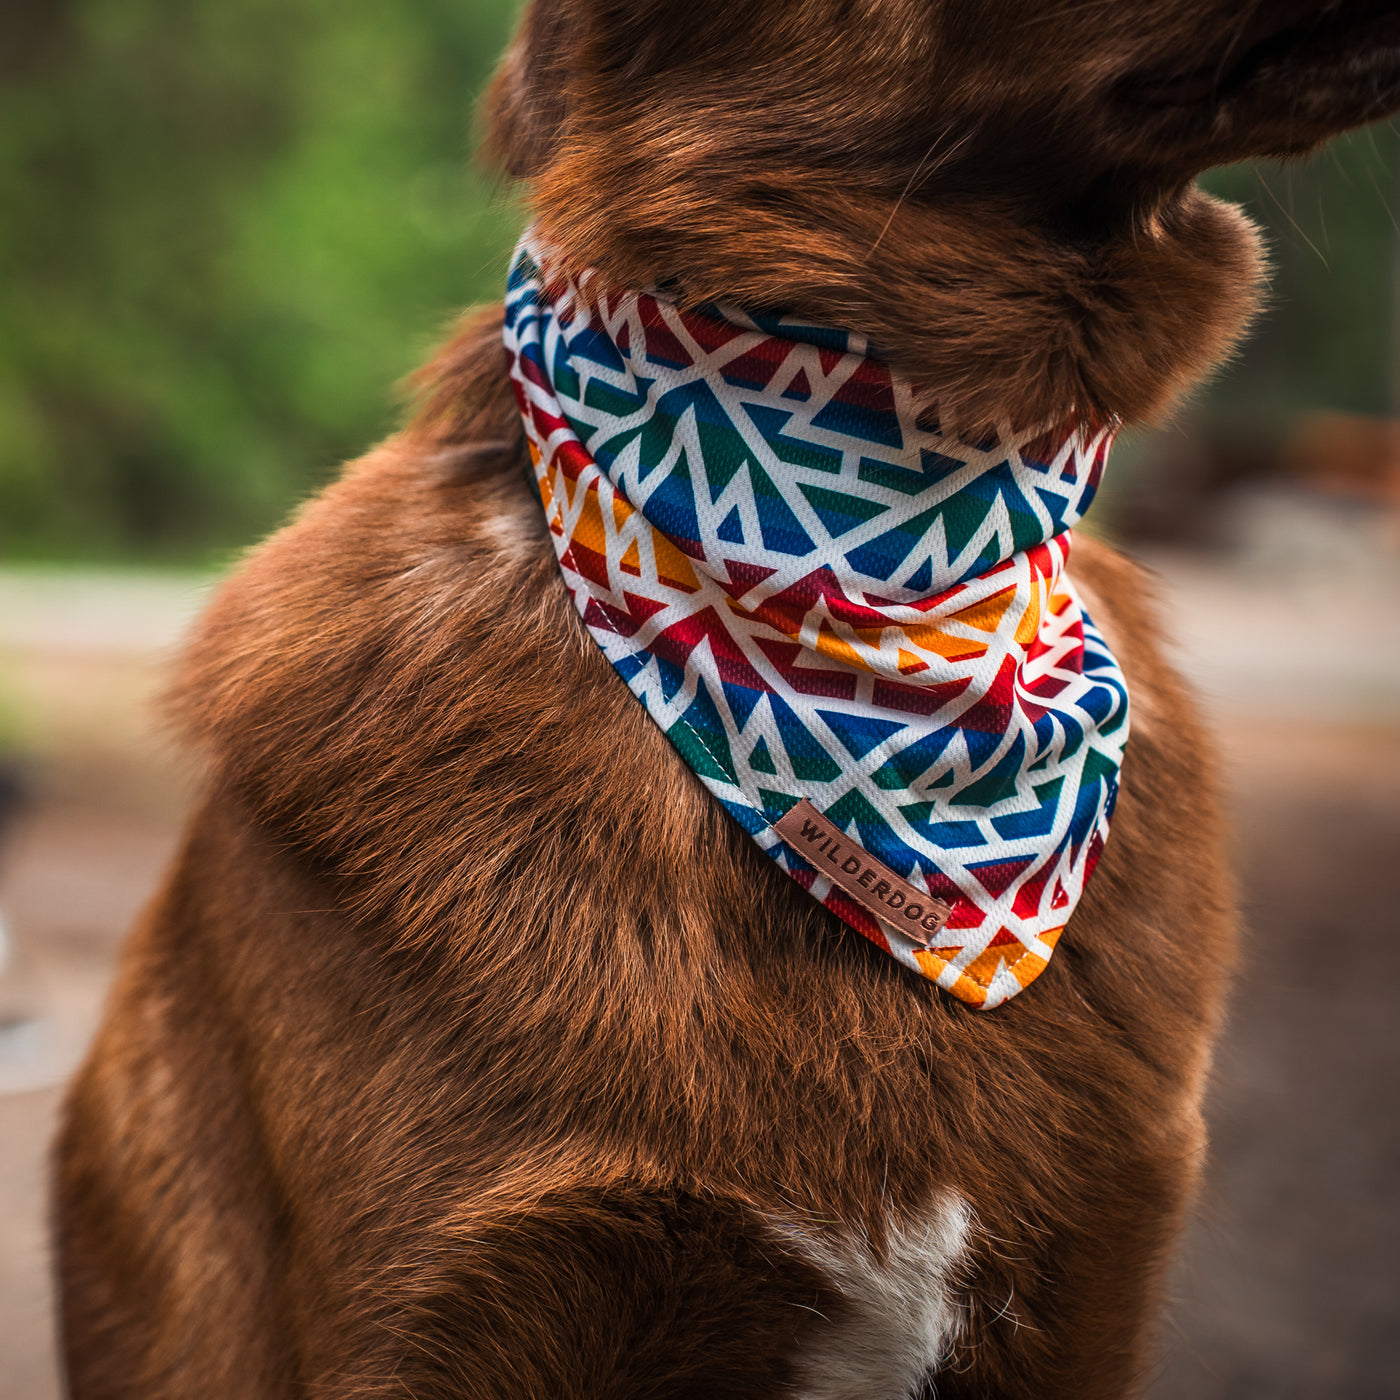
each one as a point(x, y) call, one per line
point(1064, 629)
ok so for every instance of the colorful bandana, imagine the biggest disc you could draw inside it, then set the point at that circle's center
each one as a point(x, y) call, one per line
point(858, 631)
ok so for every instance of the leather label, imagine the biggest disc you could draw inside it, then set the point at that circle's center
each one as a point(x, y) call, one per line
point(870, 882)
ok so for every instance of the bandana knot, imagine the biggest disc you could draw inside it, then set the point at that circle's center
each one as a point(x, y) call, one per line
point(857, 630)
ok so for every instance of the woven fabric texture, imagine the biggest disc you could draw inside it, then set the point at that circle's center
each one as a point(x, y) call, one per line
point(816, 594)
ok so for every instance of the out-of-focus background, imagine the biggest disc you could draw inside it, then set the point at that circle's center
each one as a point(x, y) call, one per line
point(228, 230)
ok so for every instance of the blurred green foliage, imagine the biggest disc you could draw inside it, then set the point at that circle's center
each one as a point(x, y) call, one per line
point(1327, 336)
point(229, 229)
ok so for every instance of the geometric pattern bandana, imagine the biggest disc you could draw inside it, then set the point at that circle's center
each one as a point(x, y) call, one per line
point(823, 601)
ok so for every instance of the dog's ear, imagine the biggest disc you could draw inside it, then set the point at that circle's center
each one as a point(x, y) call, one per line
point(527, 102)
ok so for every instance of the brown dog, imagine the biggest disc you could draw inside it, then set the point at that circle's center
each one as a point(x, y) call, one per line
point(467, 1053)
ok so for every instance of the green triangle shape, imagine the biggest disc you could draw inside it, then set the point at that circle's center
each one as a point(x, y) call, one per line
point(839, 512)
point(760, 760)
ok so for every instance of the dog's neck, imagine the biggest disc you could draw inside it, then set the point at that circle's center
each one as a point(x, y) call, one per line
point(994, 321)
point(1003, 274)
point(855, 627)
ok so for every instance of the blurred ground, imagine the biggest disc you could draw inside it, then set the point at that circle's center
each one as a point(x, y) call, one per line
point(1290, 1278)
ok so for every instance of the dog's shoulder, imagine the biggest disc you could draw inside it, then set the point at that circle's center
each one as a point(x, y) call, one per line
point(398, 685)
point(428, 548)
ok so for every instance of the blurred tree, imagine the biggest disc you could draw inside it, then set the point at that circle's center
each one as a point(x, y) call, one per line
point(227, 231)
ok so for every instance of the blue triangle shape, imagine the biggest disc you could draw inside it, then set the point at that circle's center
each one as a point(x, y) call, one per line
point(860, 421)
point(840, 511)
point(751, 820)
point(731, 529)
point(694, 394)
point(980, 746)
point(563, 375)
point(999, 783)
point(1020, 826)
point(780, 528)
point(922, 578)
point(910, 764)
point(589, 343)
point(704, 721)
point(810, 761)
point(860, 733)
point(671, 505)
point(796, 452)
point(672, 678)
point(741, 701)
point(768, 420)
point(880, 557)
point(629, 666)
point(1056, 505)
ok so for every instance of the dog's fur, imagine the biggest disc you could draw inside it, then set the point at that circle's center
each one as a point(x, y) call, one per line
point(470, 1049)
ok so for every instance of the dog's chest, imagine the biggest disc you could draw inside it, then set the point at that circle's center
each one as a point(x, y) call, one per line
point(902, 1313)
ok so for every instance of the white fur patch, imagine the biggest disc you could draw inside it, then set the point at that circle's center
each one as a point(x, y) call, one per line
point(514, 533)
point(901, 1316)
